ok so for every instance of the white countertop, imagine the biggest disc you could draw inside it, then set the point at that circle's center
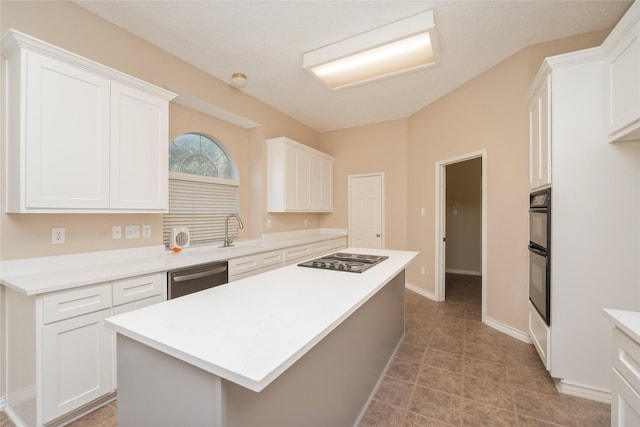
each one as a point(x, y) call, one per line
point(628, 321)
point(252, 330)
point(48, 274)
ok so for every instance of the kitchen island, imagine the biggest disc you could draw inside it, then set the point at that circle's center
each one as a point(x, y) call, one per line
point(291, 347)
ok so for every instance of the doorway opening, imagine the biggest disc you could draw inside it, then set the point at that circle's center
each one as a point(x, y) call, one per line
point(457, 204)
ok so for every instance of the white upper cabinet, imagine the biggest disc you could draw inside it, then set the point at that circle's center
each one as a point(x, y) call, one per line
point(299, 178)
point(81, 137)
point(540, 131)
point(622, 48)
point(139, 154)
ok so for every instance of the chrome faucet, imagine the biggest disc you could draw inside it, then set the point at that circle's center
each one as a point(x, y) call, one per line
point(228, 241)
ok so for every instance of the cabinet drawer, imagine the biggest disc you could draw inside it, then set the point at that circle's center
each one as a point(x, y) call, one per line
point(325, 247)
point(137, 288)
point(243, 264)
point(68, 304)
point(254, 262)
point(271, 258)
point(297, 252)
point(626, 357)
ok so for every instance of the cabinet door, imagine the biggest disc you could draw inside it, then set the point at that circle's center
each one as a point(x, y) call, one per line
point(625, 402)
point(303, 180)
point(139, 150)
point(624, 86)
point(66, 136)
point(327, 185)
point(316, 180)
point(540, 135)
point(289, 178)
point(76, 363)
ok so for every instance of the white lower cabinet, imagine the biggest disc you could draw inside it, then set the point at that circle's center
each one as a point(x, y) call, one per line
point(76, 364)
point(625, 402)
point(250, 265)
point(625, 380)
point(540, 335)
point(60, 357)
point(301, 253)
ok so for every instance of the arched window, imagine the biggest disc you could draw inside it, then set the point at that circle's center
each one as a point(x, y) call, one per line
point(197, 154)
point(203, 188)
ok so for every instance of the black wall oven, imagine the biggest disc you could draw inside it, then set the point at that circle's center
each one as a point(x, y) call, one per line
point(539, 252)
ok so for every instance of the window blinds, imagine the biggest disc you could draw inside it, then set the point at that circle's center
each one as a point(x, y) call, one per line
point(202, 207)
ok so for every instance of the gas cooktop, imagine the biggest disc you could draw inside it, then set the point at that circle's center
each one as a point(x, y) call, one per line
point(341, 261)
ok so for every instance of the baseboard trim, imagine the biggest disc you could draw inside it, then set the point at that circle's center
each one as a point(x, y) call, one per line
point(420, 291)
point(495, 324)
point(584, 391)
point(506, 329)
point(467, 272)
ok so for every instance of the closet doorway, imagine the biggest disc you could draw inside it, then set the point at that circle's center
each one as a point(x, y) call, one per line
point(461, 221)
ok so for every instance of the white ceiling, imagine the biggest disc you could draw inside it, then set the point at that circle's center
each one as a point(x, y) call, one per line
point(266, 41)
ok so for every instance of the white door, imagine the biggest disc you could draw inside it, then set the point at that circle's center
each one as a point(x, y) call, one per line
point(366, 215)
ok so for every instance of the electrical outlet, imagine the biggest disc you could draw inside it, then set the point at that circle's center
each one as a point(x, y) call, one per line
point(57, 236)
point(146, 231)
point(132, 232)
point(116, 232)
point(268, 223)
point(423, 271)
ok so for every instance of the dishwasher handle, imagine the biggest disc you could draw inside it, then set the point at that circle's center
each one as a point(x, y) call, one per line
point(193, 276)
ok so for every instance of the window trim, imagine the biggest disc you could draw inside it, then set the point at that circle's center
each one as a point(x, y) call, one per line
point(201, 178)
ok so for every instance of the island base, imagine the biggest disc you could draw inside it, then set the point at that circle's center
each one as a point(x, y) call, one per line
point(331, 385)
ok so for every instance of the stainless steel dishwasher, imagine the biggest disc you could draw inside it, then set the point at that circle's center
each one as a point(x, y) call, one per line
point(197, 278)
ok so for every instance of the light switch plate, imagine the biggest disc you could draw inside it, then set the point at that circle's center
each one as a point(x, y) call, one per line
point(132, 232)
point(116, 232)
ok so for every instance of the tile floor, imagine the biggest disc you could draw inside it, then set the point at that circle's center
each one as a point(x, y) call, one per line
point(452, 370)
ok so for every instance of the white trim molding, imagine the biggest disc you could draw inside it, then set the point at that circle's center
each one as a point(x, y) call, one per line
point(418, 290)
point(584, 391)
point(440, 226)
point(506, 329)
point(467, 272)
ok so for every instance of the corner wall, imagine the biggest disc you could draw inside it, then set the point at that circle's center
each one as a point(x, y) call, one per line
point(488, 112)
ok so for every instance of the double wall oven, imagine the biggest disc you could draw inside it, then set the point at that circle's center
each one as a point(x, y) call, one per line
point(539, 252)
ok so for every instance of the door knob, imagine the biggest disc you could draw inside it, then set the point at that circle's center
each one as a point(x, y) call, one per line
point(377, 234)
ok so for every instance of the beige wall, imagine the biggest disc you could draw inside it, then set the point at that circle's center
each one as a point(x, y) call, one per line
point(488, 112)
point(464, 216)
point(73, 28)
point(376, 148)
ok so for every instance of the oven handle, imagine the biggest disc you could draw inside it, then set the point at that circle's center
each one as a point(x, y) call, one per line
point(199, 275)
point(538, 251)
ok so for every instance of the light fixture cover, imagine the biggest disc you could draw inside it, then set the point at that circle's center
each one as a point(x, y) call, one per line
point(239, 80)
point(399, 47)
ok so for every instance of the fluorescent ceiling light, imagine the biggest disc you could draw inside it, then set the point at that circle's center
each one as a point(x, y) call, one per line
point(406, 45)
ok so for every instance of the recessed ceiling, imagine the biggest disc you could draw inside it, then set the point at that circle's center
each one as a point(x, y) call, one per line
point(266, 40)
